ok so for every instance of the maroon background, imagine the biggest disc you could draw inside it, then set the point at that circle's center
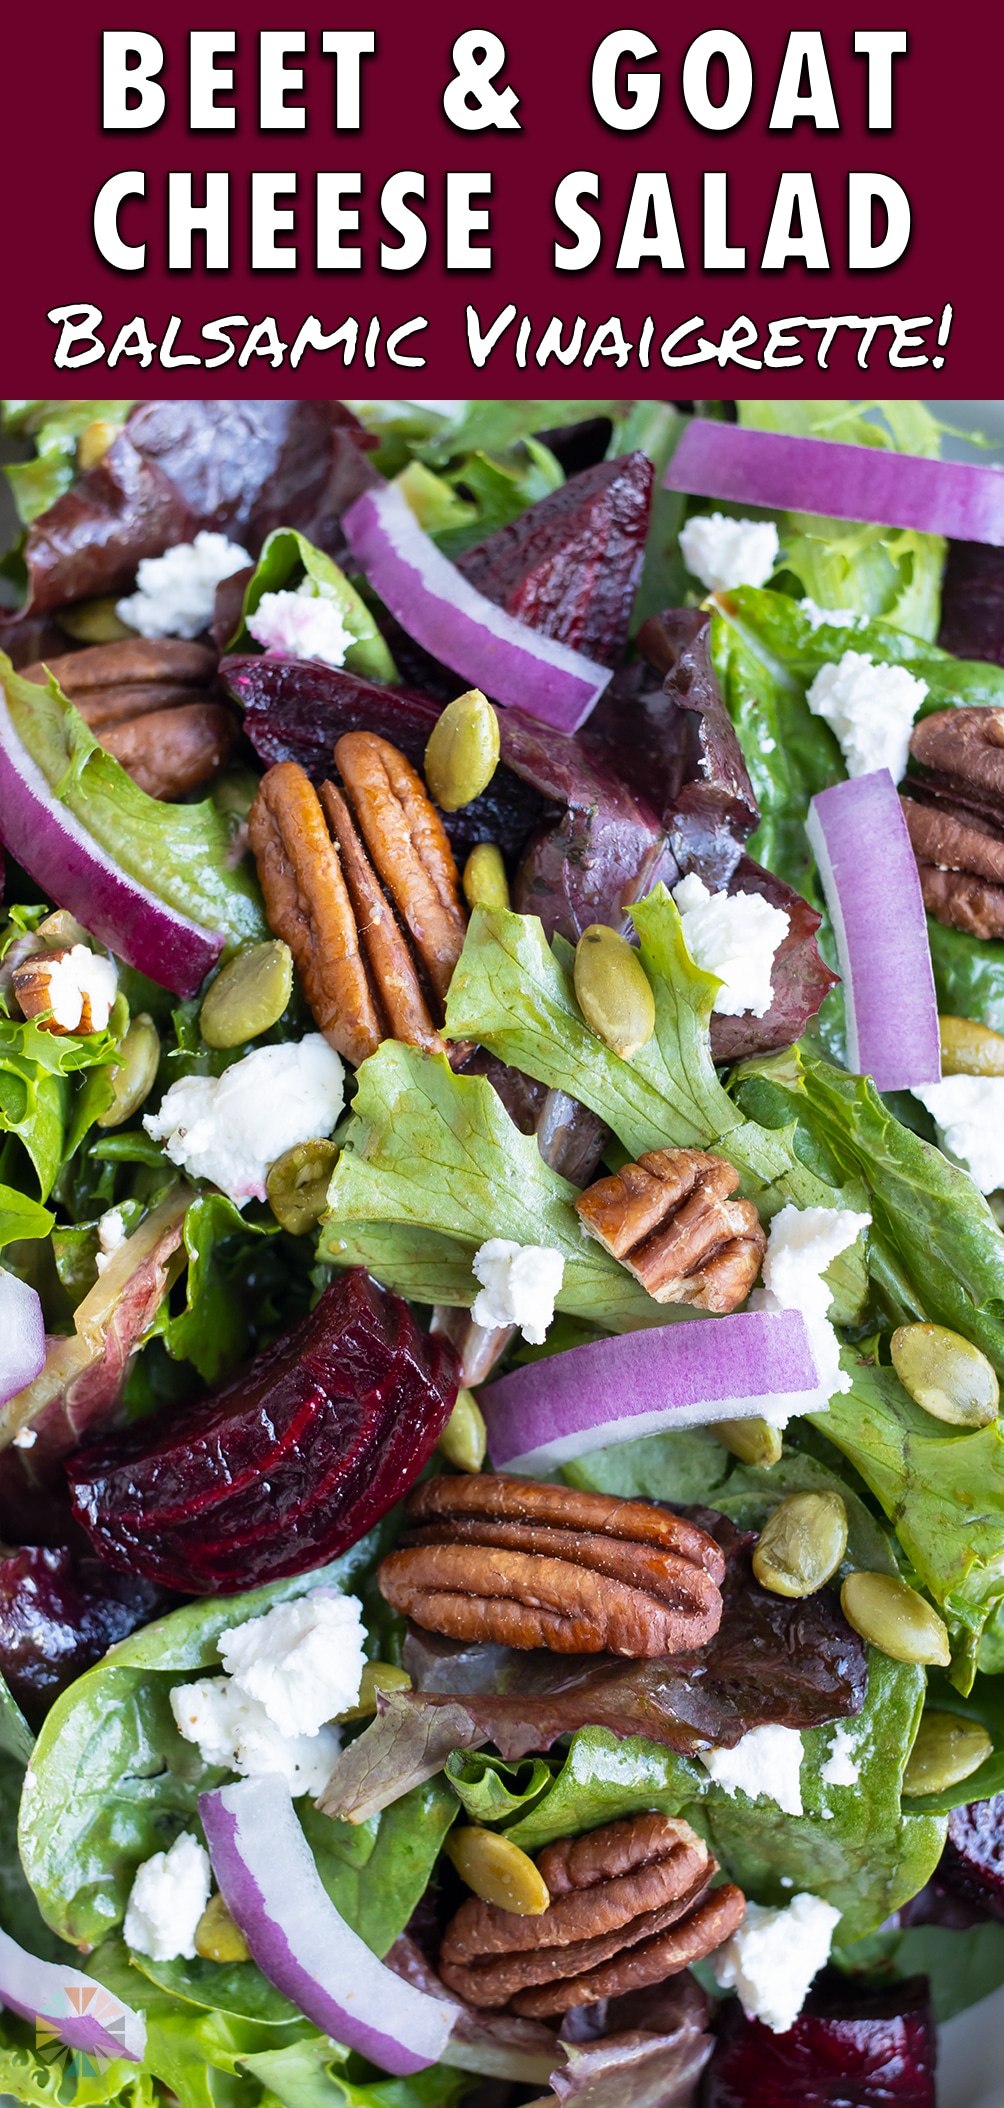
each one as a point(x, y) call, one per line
point(945, 150)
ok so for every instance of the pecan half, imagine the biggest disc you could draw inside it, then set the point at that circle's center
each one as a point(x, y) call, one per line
point(941, 837)
point(393, 970)
point(669, 1220)
point(148, 701)
point(961, 901)
point(967, 744)
point(531, 1565)
point(630, 1905)
point(408, 844)
point(953, 803)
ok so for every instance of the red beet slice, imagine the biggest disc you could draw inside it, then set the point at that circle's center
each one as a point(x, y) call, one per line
point(972, 602)
point(570, 565)
point(59, 1612)
point(846, 2050)
point(288, 1464)
point(972, 1863)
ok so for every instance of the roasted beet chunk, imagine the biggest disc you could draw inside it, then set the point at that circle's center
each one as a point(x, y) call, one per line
point(846, 2050)
point(972, 602)
point(285, 1466)
point(972, 1863)
point(570, 565)
point(58, 1614)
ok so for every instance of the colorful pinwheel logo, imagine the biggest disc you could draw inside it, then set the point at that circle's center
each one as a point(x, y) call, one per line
point(83, 2002)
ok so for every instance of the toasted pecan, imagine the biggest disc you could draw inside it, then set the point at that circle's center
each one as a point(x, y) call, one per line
point(390, 961)
point(967, 744)
point(961, 901)
point(629, 1906)
point(669, 1219)
point(942, 837)
point(408, 844)
point(529, 1565)
point(173, 751)
point(131, 663)
point(308, 906)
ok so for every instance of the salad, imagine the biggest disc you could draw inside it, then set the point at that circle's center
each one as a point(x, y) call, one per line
point(502, 1281)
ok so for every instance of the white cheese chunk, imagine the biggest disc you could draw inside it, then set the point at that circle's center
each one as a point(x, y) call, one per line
point(81, 973)
point(841, 1767)
point(175, 593)
point(871, 709)
point(111, 1234)
point(765, 1764)
point(773, 1957)
point(735, 936)
point(305, 623)
point(302, 1661)
point(801, 1244)
point(968, 1112)
point(167, 1900)
point(841, 618)
point(519, 1283)
point(724, 553)
point(231, 1128)
point(231, 1729)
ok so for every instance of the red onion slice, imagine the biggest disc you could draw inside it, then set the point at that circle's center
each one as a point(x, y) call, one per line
point(22, 1335)
point(70, 866)
point(843, 482)
point(273, 1891)
point(73, 2006)
point(445, 614)
point(859, 839)
point(757, 1362)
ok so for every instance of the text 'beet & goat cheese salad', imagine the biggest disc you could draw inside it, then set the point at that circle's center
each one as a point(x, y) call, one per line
point(502, 1289)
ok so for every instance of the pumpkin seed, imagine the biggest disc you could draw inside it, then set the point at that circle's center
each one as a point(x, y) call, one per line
point(752, 1441)
point(94, 442)
point(498, 1871)
point(93, 622)
point(948, 1748)
point(376, 1676)
point(135, 1072)
point(217, 1938)
point(801, 1544)
point(485, 881)
point(248, 996)
point(969, 1049)
point(945, 1374)
point(895, 1619)
point(463, 751)
point(464, 1439)
point(613, 990)
point(297, 1185)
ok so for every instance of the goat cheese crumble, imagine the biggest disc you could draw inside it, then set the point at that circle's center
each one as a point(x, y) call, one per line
point(801, 1244)
point(723, 552)
point(112, 1233)
point(840, 618)
point(968, 1112)
point(231, 1128)
point(735, 936)
point(167, 1900)
point(235, 1731)
point(871, 709)
point(176, 593)
point(519, 1283)
point(303, 1661)
point(841, 1767)
point(305, 623)
point(765, 1764)
point(773, 1957)
point(80, 974)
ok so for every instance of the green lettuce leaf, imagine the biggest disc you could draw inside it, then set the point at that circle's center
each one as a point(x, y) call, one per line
point(968, 975)
point(197, 2052)
point(427, 1148)
point(185, 854)
point(602, 1779)
point(691, 1465)
point(55, 428)
point(21, 1217)
point(66, 2081)
point(306, 2075)
point(479, 494)
point(36, 1097)
point(655, 428)
point(484, 425)
point(285, 554)
point(212, 1331)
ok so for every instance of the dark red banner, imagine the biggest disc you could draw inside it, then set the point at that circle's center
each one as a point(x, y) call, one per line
point(520, 201)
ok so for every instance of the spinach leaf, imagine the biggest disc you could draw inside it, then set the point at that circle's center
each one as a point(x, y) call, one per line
point(961, 1966)
point(602, 1779)
point(286, 552)
point(21, 1217)
point(968, 975)
point(983, 1703)
point(377, 1871)
point(691, 1465)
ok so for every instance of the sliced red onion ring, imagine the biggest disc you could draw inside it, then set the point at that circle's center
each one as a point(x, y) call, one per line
point(859, 839)
point(70, 866)
point(443, 612)
point(22, 1335)
point(757, 1362)
point(844, 482)
point(273, 1891)
point(69, 2004)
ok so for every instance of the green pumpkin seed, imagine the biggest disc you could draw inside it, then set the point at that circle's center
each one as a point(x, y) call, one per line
point(485, 881)
point(464, 1439)
point(497, 1870)
point(969, 1049)
point(94, 442)
point(297, 1185)
point(135, 1072)
point(895, 1619)
point(248, 996)
point(752, 1441)
point(945, 1374)
point(802, 1544)
point(217, 1938)
point(463, 751)
point(948, 1748)
point(93, 622)
point(613, 990)
point(376, 1676)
